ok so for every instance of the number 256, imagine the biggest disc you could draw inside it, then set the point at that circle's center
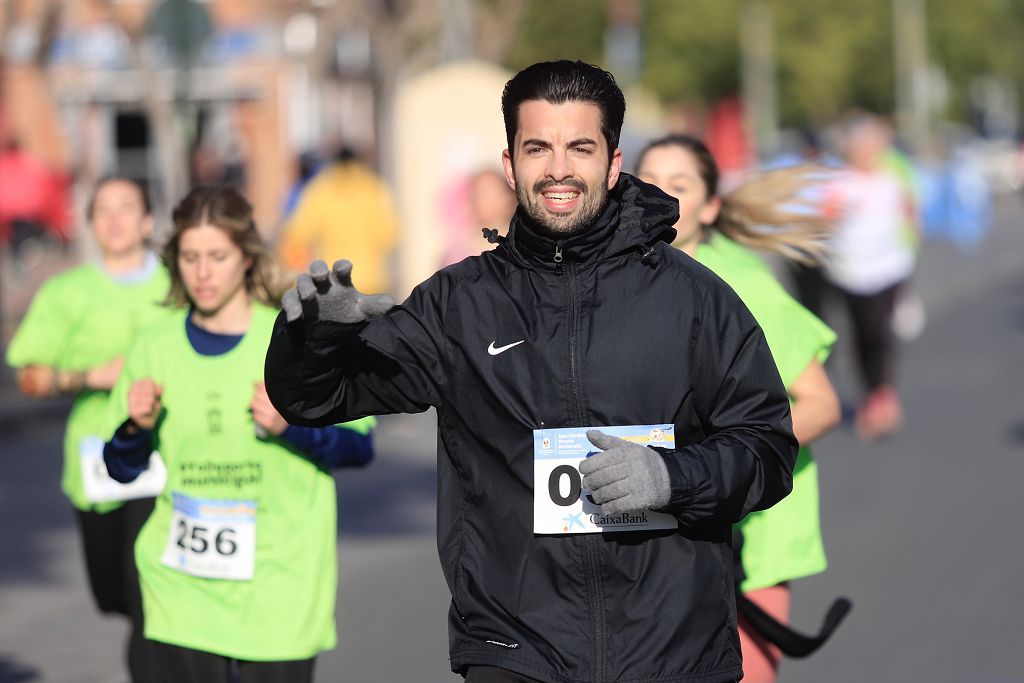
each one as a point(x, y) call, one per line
point(223, 542)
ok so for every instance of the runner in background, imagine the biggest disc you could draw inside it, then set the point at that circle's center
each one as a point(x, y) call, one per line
point(72, 341)
point(237, 563)
point(871, 260)
point(784, 542)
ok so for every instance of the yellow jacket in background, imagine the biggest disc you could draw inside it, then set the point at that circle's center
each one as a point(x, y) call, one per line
point(347, 212)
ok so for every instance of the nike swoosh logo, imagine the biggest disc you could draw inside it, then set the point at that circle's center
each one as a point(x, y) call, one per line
point(494, 351)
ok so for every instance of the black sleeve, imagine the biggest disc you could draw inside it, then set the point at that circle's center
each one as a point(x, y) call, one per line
point(127, 453)
point(746, 461)
point(324, 373)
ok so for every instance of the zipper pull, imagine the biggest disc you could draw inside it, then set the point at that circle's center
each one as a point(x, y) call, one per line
point(558, 253)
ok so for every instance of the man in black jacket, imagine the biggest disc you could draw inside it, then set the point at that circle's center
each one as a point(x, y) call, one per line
point(582, 324)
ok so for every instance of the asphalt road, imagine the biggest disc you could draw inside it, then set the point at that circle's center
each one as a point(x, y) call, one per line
point(920, 529)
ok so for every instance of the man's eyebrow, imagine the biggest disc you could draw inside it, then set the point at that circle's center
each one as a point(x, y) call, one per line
point(536, 142)
point(582, 141)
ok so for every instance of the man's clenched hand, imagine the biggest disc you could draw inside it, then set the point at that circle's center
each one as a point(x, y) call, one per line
point(328, 295)
point(626, 477)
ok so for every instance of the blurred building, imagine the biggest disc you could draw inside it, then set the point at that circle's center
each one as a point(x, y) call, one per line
point(179, 91)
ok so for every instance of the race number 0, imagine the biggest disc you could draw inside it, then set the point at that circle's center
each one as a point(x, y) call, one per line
point(555, 485)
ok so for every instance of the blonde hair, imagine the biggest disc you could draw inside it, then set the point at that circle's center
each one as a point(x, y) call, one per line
point(223, 207)
point(769, 211)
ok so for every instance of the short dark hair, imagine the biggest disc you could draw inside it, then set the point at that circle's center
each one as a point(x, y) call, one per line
point(565, 81)
point(140, 186)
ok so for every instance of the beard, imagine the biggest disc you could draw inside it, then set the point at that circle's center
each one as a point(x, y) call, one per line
point(568, 224)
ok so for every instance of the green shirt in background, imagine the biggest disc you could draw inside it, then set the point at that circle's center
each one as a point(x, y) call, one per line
point(78, 320)
point(206, 436)
point(783, 542)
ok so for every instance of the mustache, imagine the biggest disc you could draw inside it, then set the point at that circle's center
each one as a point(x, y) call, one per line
point(575, 184)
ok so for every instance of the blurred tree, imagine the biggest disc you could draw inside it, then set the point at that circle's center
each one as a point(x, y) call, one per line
point(976, 39)
point(571, 29)
point(842, 55)
point(832, 54)
point(691, 50)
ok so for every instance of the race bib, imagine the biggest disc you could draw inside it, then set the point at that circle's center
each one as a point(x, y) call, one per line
point(560, 503)
point(214, 539)
point(100, 488)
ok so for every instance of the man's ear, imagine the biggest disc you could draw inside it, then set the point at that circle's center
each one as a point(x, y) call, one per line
point(614, 168)
point(506, 163)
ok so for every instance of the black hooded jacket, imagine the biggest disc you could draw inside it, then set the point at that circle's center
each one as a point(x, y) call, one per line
point(619, 328)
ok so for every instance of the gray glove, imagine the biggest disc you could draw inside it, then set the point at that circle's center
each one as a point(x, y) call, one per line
point(626, 477)
point(328, 295)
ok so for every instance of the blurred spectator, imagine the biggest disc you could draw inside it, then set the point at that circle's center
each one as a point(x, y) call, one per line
point(727, 140)
point(872, 259)
point(308, 164)
point(955, 198)
point(346, 211)
point(34, 200)
point(213, 166)
point(484, 201)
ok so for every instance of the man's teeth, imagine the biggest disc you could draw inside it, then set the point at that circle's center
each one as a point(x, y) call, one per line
point(561, 196)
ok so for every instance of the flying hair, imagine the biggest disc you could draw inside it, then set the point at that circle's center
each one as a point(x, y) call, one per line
point(774, 211)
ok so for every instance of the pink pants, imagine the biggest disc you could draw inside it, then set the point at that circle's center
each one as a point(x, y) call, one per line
point(761, 658)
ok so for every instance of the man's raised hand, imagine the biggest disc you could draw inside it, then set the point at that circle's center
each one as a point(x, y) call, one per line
point(328, 295)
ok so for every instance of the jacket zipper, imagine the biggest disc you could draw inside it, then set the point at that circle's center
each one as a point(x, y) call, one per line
point(595, 594)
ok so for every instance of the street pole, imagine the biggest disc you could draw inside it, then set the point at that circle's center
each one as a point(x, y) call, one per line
point(758, 78)
point(456, 39)
point(910, 51)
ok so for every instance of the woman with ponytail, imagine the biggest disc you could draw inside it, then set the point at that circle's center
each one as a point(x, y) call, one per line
point(770, 212)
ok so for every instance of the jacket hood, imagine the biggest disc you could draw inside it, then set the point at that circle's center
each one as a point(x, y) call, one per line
point(636, 216)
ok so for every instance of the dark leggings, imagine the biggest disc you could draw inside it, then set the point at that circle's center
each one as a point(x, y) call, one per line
point(874, 339)
point(108, 544)
point(811, 288)
point(870, 315)
point(179, 664)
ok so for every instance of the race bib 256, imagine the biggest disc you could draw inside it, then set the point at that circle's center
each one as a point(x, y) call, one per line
point(214, 539)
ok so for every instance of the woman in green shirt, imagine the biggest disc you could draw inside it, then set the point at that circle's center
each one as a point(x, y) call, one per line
point(73, 340)
point(237, 563)
point(783, 542)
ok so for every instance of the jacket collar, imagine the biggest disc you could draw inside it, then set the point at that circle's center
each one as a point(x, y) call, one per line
point(637, 214)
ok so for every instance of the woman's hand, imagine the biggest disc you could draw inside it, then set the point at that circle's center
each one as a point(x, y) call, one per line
point(264, 413)
point(144, 402)
point(37, 381)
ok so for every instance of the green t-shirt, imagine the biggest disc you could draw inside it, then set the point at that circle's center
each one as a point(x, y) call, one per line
point(78, 320)
point(783, 542)
point(279, 508)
